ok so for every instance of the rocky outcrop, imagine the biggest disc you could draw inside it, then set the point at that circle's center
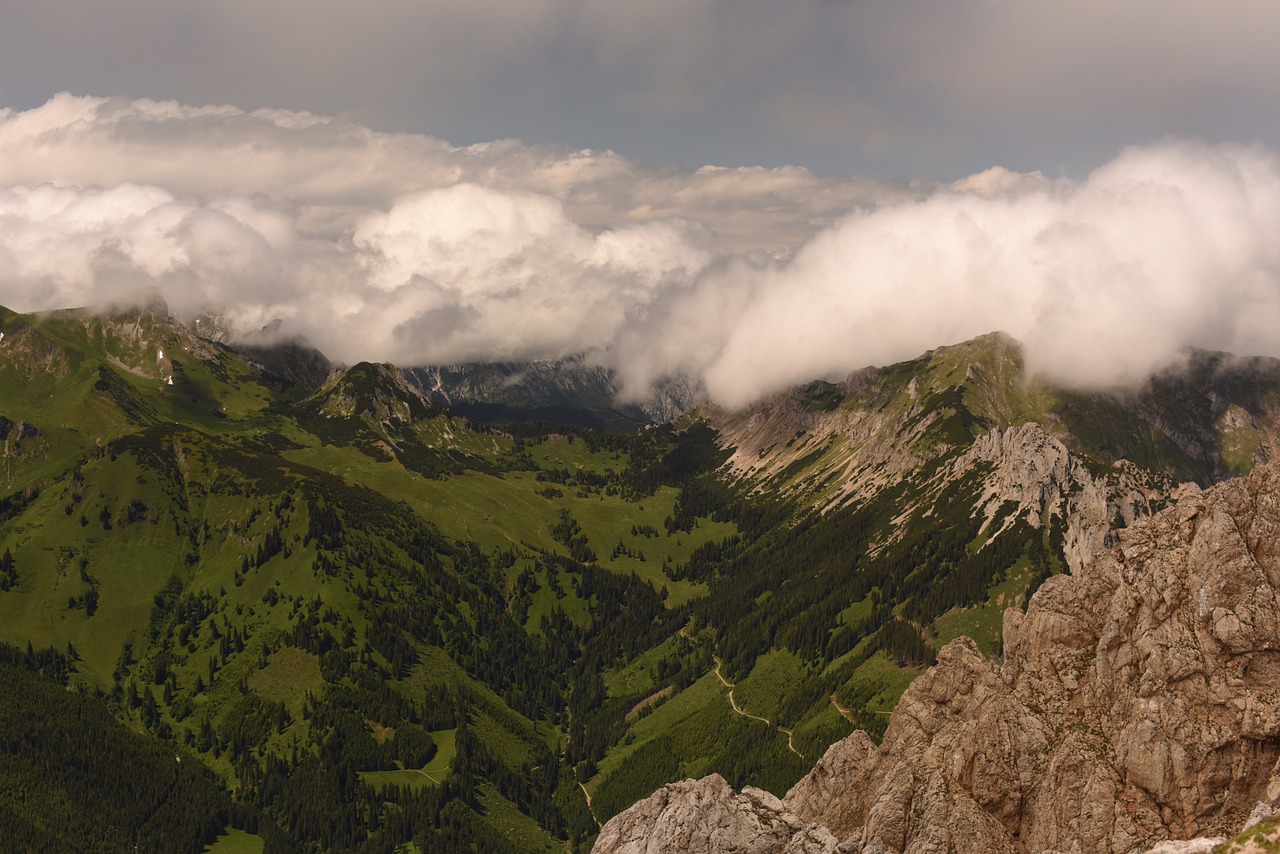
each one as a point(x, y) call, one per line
point(378, 392)
point(832, 794)
point(1137, 701)
point(1088, 462)
point(707, 815)
point(1033, 469)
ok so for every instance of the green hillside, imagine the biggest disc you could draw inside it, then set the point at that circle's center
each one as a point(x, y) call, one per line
point(375, 623)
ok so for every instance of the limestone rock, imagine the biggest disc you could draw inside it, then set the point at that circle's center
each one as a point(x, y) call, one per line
point(706, 817)
point(830, 794)
point(1138, 702)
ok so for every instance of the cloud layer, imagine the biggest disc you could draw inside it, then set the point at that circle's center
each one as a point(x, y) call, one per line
point(903, 87)
point(400, 247)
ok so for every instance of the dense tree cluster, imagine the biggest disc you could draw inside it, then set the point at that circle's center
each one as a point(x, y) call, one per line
point(73, 779)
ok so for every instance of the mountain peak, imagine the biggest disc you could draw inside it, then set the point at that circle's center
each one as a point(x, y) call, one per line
point(375, 391)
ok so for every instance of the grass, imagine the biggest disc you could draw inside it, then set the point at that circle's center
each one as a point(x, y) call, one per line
point(506, 745)
point(857, 612)
point(881, 681)
point(520, 830)
point(664, 719)
point(546, 600)
point(1262, 837)
point(776, 674)
point(234, 841)
point(821, 727)
point(501, 512)
point(558, 452)
point(985, 623)
point(432, 774)
point(131, 564)
point(1239, 442)
point(290, 674)
point(635, 677)
point(447, 748)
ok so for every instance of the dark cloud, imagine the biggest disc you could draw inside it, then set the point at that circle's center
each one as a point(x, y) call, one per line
point(899, 87)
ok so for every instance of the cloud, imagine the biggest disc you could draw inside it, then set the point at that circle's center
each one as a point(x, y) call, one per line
point(329, 172)
point(400, 247)
point(901, 87)
point(1104, 280)
point(477, 274)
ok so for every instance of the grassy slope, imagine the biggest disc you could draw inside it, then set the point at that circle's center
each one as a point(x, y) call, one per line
point(205, 509)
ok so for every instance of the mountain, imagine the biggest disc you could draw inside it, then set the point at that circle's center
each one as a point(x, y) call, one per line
point(1135, 702)
point(839, 444)
point(367, 618)
point(563, 391)
point(376, 410)
point(378, 622)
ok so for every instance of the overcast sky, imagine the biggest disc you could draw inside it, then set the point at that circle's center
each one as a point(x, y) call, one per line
point(892, 88)
point(750, 193)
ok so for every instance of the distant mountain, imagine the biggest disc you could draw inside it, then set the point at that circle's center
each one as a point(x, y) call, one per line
point(1091, 460)
point(568, 391)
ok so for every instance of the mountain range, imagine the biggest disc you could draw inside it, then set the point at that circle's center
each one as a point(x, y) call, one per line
point(488, 607)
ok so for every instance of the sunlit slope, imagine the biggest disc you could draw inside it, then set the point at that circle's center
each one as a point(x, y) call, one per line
point(290, 588)
point(77, 380)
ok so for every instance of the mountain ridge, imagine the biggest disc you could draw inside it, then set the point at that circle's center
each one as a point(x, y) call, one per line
point(278, 558)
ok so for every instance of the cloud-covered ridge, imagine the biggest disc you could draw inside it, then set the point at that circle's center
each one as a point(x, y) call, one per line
point(400, 247)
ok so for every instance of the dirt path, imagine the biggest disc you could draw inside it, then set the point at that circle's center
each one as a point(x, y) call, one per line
point(734, 704)
point(848, 716)
point(590, 809)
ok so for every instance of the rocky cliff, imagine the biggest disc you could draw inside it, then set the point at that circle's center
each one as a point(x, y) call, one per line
point(1088, 462)
point(1137, 700)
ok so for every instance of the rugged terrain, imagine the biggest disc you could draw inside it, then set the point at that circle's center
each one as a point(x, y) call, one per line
point(370, 621)
point(1091, 460)
point(1137, 700)
point(565, 391)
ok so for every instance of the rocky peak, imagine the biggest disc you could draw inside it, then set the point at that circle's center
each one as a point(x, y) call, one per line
point(573, 388)
point(707, 816)
point(377, 392)
point(1137, 701)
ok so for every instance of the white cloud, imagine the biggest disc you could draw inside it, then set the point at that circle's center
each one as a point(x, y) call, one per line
point(400, 247)
point(1104, 280)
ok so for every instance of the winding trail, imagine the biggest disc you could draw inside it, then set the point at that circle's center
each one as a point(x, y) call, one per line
point(848, 716)
point(590, 808)
point(734, 704)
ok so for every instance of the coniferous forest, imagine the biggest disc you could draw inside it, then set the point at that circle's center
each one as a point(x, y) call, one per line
point(244, 609)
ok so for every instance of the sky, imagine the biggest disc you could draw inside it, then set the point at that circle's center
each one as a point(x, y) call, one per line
point(903, 89)
point(750, 193)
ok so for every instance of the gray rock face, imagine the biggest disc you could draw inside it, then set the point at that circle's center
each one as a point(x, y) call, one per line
point(1138, 701)
point(706, 816)
point(1034, 469)
point(831, 794)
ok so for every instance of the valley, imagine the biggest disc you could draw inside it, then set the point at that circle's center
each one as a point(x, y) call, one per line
point(366, 622)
